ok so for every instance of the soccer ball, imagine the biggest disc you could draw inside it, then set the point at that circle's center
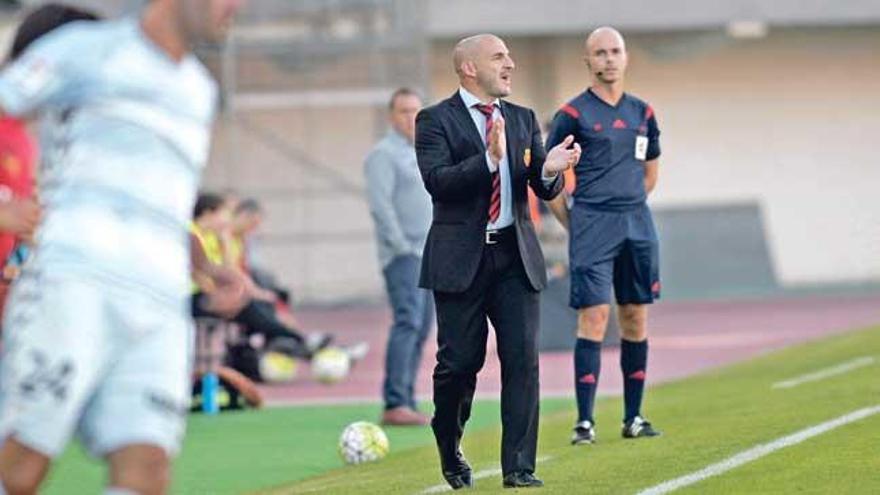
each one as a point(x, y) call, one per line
point(277, 367)
point(331, 364)
point(362, 442)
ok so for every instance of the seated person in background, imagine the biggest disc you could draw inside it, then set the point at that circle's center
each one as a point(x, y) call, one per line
point(247, 217)
point(220, 290)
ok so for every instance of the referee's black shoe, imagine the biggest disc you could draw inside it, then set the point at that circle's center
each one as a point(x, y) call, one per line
point(584, 433)
point(522, 479)
point(639, 427)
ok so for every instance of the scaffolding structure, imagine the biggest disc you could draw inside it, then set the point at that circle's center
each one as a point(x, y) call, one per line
point(305, 90)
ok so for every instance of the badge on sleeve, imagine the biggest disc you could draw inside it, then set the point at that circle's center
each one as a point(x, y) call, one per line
point(641, 147)
point(527, 157)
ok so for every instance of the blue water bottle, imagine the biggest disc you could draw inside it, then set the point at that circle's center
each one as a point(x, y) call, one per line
point(210, 384)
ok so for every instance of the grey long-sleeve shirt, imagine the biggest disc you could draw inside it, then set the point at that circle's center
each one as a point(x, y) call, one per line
point(400, 205)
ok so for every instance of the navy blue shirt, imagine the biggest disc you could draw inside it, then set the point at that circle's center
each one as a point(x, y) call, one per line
point(616, 142)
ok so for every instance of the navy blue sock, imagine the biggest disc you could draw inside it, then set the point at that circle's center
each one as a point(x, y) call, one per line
point(587, 362)
point(633, 363)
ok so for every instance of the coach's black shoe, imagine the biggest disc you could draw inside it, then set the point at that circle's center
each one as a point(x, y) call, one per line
point(638, 427)
point(460, 479)
point(584, 433)
point(459, 473)
point(522, 479)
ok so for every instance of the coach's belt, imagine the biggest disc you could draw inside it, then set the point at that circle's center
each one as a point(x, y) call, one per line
point(494, 236)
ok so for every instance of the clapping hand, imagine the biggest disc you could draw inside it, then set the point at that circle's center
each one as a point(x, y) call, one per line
point(497, 141)
point(563, 156)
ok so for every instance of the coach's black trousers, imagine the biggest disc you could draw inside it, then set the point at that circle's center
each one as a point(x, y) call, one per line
point(501, 292)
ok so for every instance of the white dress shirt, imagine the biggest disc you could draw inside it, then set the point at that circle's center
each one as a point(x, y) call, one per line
point(505, 216)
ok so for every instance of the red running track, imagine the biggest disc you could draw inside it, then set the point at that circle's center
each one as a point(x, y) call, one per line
point(685, 337)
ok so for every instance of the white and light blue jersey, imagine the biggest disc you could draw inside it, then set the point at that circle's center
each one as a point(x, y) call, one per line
point(124, 136)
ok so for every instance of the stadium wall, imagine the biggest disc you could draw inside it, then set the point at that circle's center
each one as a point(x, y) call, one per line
point(784, 121)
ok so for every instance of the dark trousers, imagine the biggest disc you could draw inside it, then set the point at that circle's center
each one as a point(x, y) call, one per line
point(256, 317)
point(501, 292)
point(413, 318)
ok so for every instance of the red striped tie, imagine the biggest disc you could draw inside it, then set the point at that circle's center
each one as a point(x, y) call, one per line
point(495, 201)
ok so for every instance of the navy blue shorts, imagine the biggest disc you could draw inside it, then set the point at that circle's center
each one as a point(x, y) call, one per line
point(613, 249)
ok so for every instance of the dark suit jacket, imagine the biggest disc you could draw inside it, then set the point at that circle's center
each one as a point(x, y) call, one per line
point(452, 160)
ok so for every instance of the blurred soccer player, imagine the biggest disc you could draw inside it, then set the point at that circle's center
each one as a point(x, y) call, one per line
point(612, 236)
point(98, 336)
point(19, 211)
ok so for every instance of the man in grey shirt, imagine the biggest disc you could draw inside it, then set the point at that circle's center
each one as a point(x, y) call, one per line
point(401, 209)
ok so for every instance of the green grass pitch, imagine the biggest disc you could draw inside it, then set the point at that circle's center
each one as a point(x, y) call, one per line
point(705, 419)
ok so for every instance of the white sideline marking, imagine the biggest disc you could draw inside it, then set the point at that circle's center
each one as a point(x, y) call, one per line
point(486, 473)
point(840, 369)
point(759, 451)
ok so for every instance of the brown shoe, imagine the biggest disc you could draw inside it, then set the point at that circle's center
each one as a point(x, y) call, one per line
point(404, 416)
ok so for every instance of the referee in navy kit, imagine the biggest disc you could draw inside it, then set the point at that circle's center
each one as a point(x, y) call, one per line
point(612, 237)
